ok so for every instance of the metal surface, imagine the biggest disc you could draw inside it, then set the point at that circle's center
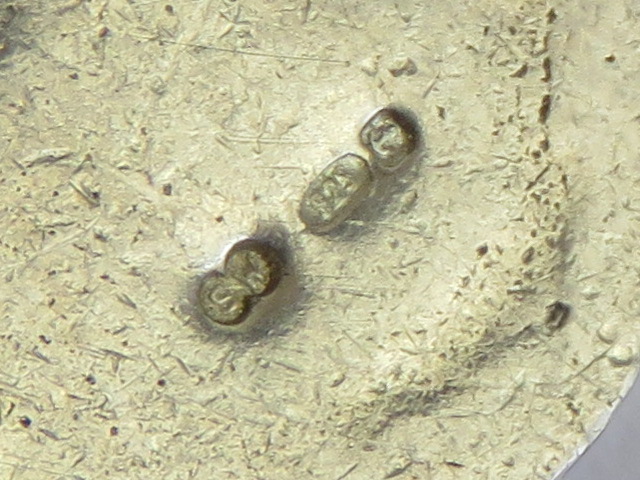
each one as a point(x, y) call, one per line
point(470, 313)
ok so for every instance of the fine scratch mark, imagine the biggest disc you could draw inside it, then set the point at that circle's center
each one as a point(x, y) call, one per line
point(48, 157)
point(116, 354)
point(398, 471)
point(348, 472)
point(287, 366)
point(39, 355)
point(538, 177)
point(352, 291)
point(126, 300)
point(268, 140)
point(85, 193)
point(54, 246)
point(430, 86)
point(50, 434)
point(234, 51)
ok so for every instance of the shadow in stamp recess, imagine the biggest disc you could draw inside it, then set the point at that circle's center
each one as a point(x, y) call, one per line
point(352, 194)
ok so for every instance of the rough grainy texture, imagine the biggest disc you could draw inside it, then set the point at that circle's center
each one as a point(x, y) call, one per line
point(141, 139)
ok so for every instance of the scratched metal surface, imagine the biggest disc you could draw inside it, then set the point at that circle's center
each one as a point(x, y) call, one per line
point(140, 140)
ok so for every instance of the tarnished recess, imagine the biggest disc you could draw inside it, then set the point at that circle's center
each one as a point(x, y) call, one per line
point(224, 299)
point(391, 135)
point(335, 193)
point(257, 264)
point(253, 268)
